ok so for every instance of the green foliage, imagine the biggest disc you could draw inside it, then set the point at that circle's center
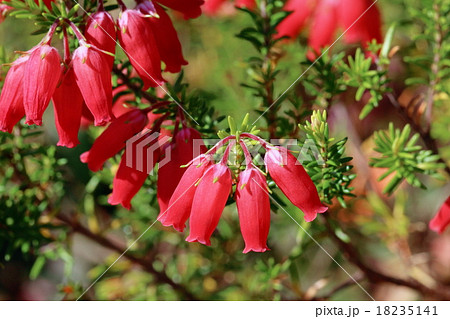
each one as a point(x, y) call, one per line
point(331, 172)
point(403, 158)
point(31, 186)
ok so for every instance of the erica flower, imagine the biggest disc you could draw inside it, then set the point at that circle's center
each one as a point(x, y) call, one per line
point(11, 98)
point(67, 103)
point(325, 17)
point(43, 72)
point(253, 204)
point(215, 185)
point(294, 182)
point(3, 10)
point(180, 204)
point(205, 187)
point(139, 43)
point(442, 219)
point(93, 77)
point(189, 8)
point(101, 32)
point(113, 139)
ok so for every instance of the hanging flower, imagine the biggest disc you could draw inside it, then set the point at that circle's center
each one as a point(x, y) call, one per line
point(42, 74)
point(253, 204)
point(11, 99)
point(442, 219)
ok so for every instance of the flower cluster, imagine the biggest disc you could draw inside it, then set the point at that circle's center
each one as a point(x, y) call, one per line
point(83, 78)
point(204, 189)
point(359, 18)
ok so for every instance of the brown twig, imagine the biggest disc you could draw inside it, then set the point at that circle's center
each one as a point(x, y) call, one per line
point(375, 276)
point(133, 87)
point(146, 264)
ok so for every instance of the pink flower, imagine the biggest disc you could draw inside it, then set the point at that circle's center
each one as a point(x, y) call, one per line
point(442, 219)
point(209, 201)
point(93, 77)
point(42, 74)
point(101, 32)
point(3, 10)
point(137, 39)
point(11, 99)
point(252, 200)
point(169, 46)
point(68, 103)
point(294, 182)
point(180, 204)
point(181, 152)
point(114, 138)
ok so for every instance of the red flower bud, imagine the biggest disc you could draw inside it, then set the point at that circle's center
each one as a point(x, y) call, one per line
point(180, 204)
point(42, 74)
point(209, 201)
point(93, 77)
point(252, 200)
point(114, 138)
point(182, 151)
point(101, 32)
point(137, 39)
point(190, 8)
point(442, 219)
point(169, 46)
point(68, 103)
point(11, 99)
point(294, 182)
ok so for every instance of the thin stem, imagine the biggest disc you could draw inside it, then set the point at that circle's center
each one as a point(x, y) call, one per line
point(256, 138)
point(66, 47)
point(248, 156)
point(122, 5)
point(146, 264)
point(100, 6)
point(221, 143)
point(226, 154)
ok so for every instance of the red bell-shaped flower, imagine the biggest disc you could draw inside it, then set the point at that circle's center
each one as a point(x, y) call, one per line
point(11, 99)
point(294, 182)
point(187, 145)
point(114, 138)
point(137, 39)
point(166, 36)
point(324, 25)
point(42, 74)
point(180, 204)
point(68, 103)
point(442, 219)
point(101, 32)
point(252, 201)
point(93, 77)
point(209, 201)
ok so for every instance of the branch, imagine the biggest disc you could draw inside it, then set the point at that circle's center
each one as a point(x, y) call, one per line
point(147, 265)
point(375, 276)
point(133, 87)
